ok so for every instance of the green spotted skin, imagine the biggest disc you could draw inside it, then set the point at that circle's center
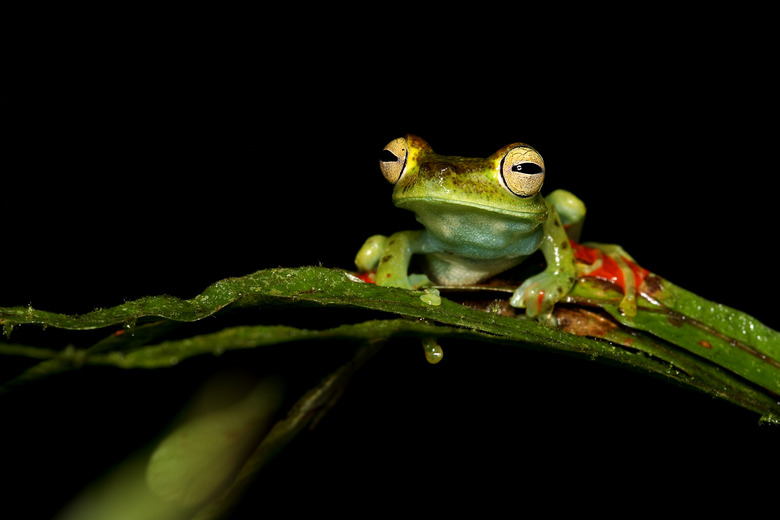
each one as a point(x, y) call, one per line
point(480, 217)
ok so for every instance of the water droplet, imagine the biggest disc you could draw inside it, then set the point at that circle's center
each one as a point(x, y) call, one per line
point(433, 352)
point(129, 326)
point(431, 297)
point(8, 327)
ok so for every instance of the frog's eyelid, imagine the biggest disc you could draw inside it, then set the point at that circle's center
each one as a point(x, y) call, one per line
point(392, 161)
point(387, 156)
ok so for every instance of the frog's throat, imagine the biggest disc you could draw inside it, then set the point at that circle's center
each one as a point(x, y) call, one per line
point(476, 231)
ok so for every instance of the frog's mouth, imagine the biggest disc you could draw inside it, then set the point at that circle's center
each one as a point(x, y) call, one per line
point(536, 213)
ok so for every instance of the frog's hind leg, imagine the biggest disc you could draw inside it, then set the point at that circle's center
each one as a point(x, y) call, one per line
point(571, 211)
point(624, 263)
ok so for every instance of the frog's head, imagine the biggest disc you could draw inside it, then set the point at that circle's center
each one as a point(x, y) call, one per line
point(503, 187)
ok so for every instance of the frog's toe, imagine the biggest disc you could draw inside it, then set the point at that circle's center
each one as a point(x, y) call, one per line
point(527, 297)
point(367, 259)
point(627, 304)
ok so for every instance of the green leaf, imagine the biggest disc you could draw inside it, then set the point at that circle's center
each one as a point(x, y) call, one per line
point(321, 287)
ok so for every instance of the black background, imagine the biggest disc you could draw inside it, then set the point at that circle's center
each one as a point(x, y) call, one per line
point(132, 170)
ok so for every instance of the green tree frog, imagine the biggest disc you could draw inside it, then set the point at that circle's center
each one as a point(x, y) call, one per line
point(480, 218)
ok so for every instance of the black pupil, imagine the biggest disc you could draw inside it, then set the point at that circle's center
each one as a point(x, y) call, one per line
point(528, 168)
point(388, 156)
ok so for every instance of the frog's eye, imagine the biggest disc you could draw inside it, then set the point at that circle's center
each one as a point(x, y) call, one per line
point(393, 159)
point(522, 171)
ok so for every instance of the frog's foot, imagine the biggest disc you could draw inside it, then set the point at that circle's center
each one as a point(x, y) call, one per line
point(429, 295)
point(392, 278)
point(611, 263)
point(419, 281)
point(539, 293)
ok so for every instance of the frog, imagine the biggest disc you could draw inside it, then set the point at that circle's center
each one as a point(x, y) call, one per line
point(480, 217)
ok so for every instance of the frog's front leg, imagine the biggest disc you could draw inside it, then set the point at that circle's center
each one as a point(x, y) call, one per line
point(615, 265)
point(571, 211)
point(390, 257)
point(539, 293)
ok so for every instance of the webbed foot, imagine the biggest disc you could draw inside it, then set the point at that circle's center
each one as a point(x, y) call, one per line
point(539, 293)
